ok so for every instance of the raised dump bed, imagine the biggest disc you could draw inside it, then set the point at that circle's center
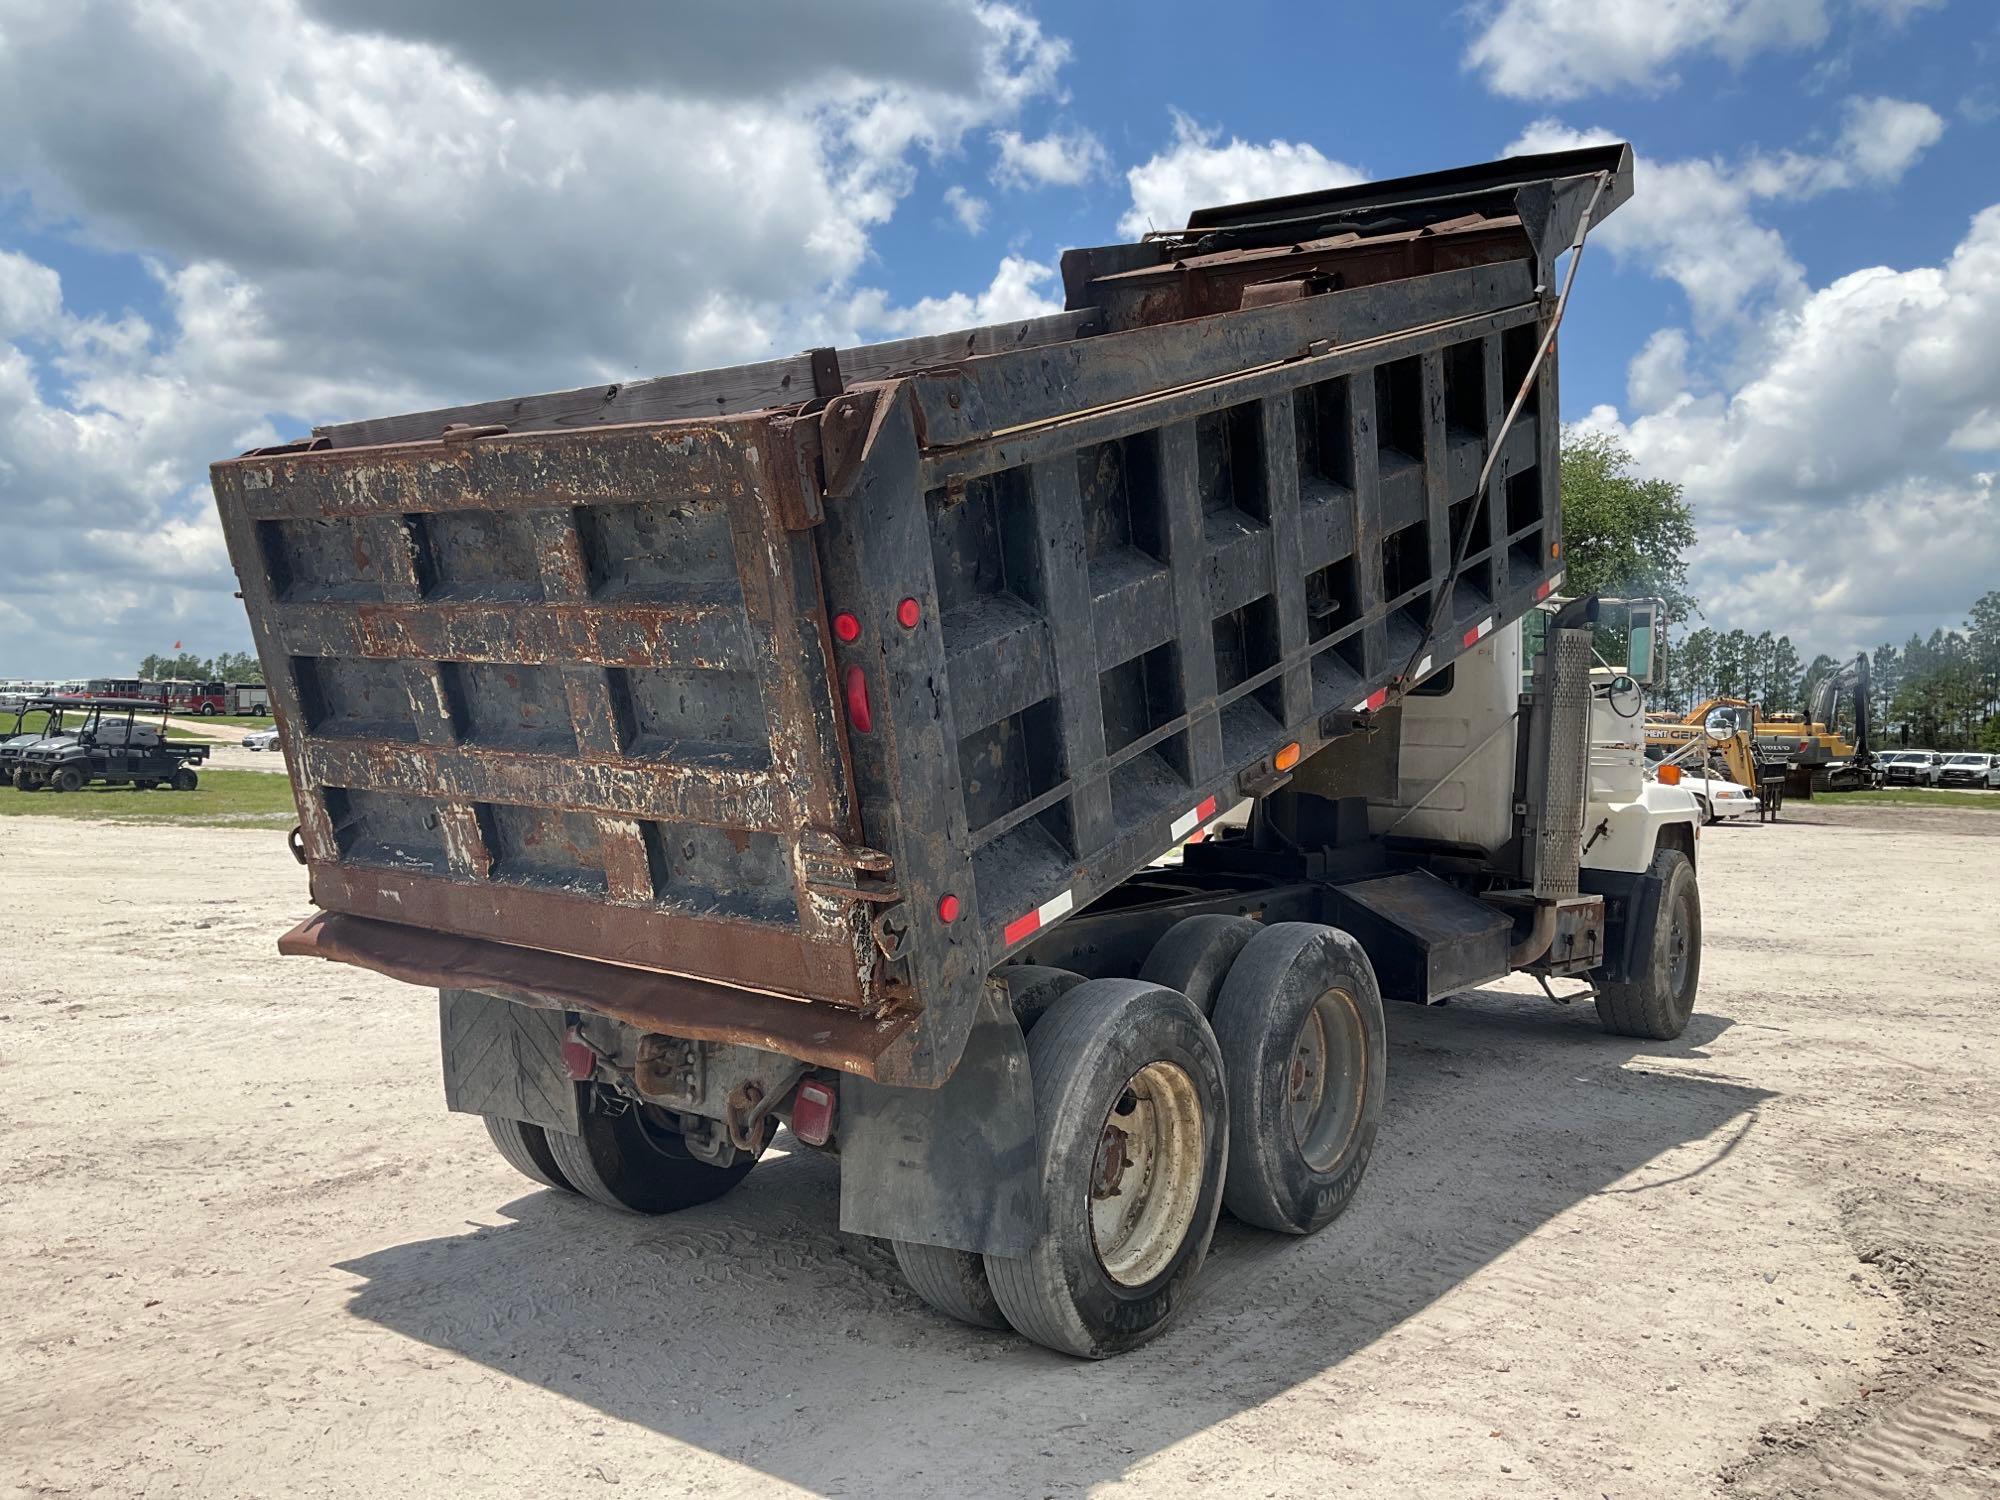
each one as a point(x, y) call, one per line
point(808, 691)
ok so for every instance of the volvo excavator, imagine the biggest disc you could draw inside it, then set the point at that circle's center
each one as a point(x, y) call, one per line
point(1822, 759)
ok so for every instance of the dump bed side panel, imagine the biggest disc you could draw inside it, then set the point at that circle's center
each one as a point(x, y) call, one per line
point(1138, 566)
point(566, 690)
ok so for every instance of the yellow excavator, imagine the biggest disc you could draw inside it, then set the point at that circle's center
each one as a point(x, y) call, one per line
point(1727, 724)
point(1816, 754)
point(1821, 757)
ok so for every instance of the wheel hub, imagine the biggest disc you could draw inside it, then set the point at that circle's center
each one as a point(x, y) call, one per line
point(1677, 949)
point(1145, 1181)
point(1327, 1080)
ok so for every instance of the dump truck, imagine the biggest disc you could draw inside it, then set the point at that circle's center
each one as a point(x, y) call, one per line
point(843, 743)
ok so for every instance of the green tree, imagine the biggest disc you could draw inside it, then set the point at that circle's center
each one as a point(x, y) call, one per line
point(1734, 661)
point(1982, 634)
point(1623, 536)
point(238, 666)
point(1693, 663)
point(183, 664)
point(1781, 685)
point(1885, 674)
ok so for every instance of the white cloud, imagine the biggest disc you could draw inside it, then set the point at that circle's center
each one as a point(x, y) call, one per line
point(358, 207)
point(1695, 222)
point(1883, 137)
point(1897, 12)
point(1199, 170)
point(968, 209)
point(1658, 372)
point(1015, 294)
point(1059, 159)
point(1830, 480)
point(1563, 49)
point(30, 296)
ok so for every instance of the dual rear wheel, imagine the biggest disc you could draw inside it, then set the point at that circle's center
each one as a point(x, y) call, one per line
point(1150, 1118)
point(627, 1156)
point(1256, 1081)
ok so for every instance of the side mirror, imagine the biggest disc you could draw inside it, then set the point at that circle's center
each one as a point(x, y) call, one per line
point(1720, 724)
point(1639, 653)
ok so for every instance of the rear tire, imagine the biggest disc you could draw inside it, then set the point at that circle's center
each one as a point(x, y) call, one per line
point(185, 781)
point(1195, 953)
point(1132, 1120)
point(952, 1281)
point(1033, 988)
point(526, 1149)
point(1305, 1048)
point(636, 1160)
point(1658, 999)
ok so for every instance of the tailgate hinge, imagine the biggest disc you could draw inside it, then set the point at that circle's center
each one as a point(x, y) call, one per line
point(852, 872)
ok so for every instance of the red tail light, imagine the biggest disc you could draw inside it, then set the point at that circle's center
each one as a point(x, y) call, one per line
point(812, 1112)
point(859, 714)
point(578, 1058)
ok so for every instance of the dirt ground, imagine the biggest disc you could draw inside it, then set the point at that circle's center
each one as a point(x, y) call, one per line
point(247, 1252)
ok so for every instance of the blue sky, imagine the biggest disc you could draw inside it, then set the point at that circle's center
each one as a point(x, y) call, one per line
point(223, 220)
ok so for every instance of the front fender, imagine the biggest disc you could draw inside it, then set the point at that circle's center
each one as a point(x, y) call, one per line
point(1623, 835)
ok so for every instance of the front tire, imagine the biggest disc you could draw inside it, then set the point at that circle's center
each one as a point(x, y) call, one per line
point(636, 1160)
point(1658, 999)
point(1132, 1119)
point(1305, 1045)
point(68, 779)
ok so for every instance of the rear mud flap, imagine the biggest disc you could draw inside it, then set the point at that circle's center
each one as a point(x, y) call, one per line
point(506, 1059)
point(955, 1166)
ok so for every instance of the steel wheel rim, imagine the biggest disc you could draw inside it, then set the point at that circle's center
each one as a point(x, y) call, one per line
point(1146, 1176)
point(1325, 1105)
point(1678, 949)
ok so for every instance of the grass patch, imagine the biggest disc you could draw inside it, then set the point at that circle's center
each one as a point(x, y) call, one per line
point(229, 721)
point(252, 799)
point(1910, 796)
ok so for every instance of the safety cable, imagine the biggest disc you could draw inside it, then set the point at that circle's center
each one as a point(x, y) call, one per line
point(1443, 601)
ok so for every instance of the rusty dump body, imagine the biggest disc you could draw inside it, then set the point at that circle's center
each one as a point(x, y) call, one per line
point(780, 704)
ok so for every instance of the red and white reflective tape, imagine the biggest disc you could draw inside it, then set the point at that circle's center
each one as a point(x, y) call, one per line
point(1040, 917)
point(1547, 587)
point(1372, 702)
point(1479, 632)
point(1190, 820)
